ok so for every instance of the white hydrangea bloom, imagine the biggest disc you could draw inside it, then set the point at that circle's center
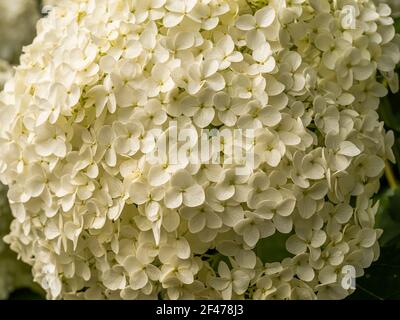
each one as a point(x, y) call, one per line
point(17, 24)
point(105, 81)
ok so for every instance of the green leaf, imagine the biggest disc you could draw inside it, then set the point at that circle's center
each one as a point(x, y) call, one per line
point(388, 217)
point(273, 248)
point(397, 25)
point(388, 114)
point(382, 279)
point(25, 294)
point(396, 150)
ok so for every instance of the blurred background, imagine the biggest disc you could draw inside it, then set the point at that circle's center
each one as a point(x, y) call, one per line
point(381, 281)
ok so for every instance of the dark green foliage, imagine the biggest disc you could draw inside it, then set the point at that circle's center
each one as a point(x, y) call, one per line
point(25, 294)
point(273, 248)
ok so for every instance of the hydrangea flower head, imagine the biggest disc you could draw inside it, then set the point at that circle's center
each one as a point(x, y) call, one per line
point(105, 82)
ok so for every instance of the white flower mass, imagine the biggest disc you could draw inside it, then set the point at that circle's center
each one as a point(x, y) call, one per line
point(95, 219)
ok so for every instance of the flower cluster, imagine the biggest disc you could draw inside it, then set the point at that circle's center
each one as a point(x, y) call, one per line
point(96, 219)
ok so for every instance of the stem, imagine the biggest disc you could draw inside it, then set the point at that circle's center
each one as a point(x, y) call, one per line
point(369, 292)
point(390, 177)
